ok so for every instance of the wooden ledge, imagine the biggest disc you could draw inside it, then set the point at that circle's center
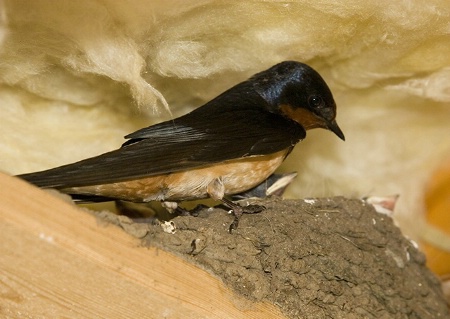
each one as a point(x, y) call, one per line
point(57, 261)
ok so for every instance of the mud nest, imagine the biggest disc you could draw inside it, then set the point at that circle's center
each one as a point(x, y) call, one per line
point(316, 258)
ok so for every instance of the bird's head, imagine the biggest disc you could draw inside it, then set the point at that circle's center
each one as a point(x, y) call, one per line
point(298, 92)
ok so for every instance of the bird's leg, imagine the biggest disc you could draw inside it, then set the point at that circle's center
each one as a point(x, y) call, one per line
point(239, 210)
point(216, 190)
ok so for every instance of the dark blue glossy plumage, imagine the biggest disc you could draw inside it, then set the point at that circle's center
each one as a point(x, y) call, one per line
point(243, 121)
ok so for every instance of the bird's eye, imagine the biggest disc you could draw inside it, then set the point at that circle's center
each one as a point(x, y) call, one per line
point(315, 101)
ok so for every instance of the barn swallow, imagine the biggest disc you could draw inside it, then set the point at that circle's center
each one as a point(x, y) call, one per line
point(227, 146)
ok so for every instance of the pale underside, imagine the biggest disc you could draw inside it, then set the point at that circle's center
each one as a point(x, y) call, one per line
point(216, 181)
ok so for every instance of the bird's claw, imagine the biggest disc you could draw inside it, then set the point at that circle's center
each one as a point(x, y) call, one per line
point(238, 211)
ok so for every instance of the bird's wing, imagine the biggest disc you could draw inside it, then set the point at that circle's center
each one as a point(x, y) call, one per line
point(203, 137)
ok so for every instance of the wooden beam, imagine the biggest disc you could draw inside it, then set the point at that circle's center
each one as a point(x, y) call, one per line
point(58, 261)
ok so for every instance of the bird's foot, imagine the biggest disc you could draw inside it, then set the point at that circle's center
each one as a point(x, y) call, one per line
point(239, 210)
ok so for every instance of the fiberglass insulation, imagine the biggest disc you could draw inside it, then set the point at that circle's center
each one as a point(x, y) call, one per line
point(76, 76)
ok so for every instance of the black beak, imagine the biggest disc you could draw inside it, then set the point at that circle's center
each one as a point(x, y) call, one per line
point(333, 127)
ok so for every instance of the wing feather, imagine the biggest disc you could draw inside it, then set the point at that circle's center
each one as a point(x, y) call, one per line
point(213, 133)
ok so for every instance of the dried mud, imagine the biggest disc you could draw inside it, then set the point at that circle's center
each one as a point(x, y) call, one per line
point(316, 258)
